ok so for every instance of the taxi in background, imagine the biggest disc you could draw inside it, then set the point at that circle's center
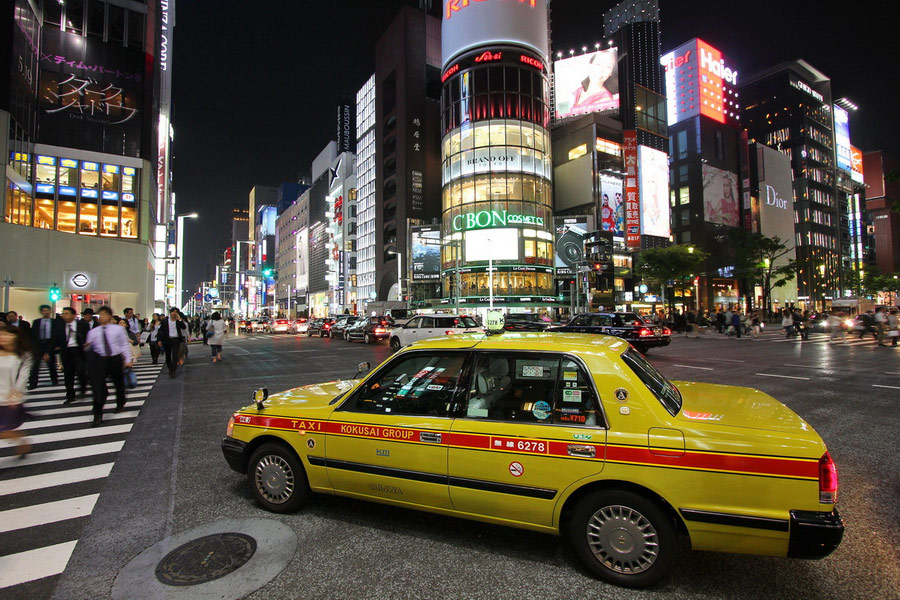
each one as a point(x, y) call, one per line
point(631, 327)
point(570, 434)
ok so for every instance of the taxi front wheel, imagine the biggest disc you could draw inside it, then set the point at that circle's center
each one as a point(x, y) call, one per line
point(623, 538)
point(277, 479)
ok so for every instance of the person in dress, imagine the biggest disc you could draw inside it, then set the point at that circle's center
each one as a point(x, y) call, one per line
point(216, 328)
point(15, 368)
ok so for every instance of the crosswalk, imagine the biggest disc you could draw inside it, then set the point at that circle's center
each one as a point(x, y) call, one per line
point(776, 336)
point(46, 498)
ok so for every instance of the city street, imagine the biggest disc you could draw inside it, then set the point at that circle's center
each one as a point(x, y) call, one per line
point(170, 476)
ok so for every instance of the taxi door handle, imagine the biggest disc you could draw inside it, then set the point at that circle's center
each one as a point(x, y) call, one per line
point(581, 450)
point(434, 438)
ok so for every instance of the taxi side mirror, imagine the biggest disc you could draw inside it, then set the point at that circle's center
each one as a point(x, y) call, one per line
point(361, 369)
point(259, 396)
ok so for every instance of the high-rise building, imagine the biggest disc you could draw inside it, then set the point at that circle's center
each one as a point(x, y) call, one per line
point(292, 245)
point(85, 115)
point(496, 156)
point(365, 199)
point(882, 195)
point(789, 107)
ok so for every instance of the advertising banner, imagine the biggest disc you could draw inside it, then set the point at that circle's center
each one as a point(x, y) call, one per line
point(612, 205)
point(856, 165)
point(842, 138)
point(492, 244)
point(700, 81)
point(571, 233)
point(776, 207)
point(632, 190)
point(587, 84)
point(720, 196)
point(426, 252)
point(466, 25)
point(654, 191)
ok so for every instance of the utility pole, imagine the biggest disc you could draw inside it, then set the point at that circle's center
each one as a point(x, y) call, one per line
point(7, 282)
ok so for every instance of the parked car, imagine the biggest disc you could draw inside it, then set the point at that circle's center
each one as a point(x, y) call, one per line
point(368, 329)
point(300, 325)
point(526, 322)
point(260, 325)
point(427, 326)
point(319, 327)
point(340, 325)
point(281, 326)
point(642, 334)
point(569, 434)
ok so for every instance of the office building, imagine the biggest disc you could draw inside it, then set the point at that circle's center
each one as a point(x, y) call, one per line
point(882, 195)
point(291, 260)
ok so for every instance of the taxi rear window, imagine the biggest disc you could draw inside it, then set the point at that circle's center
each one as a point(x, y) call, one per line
point(664, 390)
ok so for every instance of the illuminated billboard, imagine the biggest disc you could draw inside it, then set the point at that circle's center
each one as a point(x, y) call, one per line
point(775, 207)
point(632, 199)
point(426, 252)
point(571, 233)
point(653, 173)
point(466, 25)
point(842, 138)
point(720, 196)
point(492, 244)
point(856, 165)
point(612, 205)
point(587, 84)
point(700, 81)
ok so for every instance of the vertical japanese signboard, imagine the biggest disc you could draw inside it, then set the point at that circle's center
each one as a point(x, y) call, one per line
point(632, 191)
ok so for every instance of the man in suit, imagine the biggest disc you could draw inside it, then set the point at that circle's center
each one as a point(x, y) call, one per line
point(110, 355)
point(13, 320)
point(87, 315)
point(76, 332)
point(47, 337)
point(170, 337)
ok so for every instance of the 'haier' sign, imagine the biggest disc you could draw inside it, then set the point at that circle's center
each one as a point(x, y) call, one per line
point(468, 24)
point(700, 81)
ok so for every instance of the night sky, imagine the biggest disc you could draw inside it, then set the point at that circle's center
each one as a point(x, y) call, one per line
point(256, 84)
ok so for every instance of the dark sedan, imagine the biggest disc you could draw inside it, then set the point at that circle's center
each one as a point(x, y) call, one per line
point(642, 334)
point(369, 329)
point(319, 327)
point(526, 322)
point(341, 325)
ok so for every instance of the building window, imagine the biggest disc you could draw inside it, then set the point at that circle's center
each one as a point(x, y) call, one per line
point(577, 151)
point(681, 144)
point(719, 145)
point(684, 195)
point(651, 111)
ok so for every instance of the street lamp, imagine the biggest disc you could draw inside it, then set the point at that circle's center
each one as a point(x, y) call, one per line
point(179, 254)
point(399, 273)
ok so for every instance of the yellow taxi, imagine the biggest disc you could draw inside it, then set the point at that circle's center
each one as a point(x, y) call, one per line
point(571, 434)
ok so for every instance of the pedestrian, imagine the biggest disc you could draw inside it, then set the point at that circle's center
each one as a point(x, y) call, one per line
point(787, 323)
point(87, 315)
point(216, 328)
point(893, 325)
point(736, 323)
point(152, 332)
point(755, 327)
point(132, 339)
point(836, 325)
point(881, 325)
point(720, 320)
point(134, 323)
point(47, 338)
point(72, 354)
point(110, 355)
point(171, 337)
point(13, 320)
point(15, 366)
point(204, 328)
point(690, 324)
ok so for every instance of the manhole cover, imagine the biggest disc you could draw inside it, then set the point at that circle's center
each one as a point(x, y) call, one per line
point(205, 559)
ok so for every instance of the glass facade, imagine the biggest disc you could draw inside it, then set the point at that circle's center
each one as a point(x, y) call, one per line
point(496, 176)
point(75, 196)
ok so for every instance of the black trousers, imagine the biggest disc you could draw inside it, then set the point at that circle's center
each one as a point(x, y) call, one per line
point(73, 365)
point(154, 350)
point(36, 365)
point(101, 367)
point(172, 346)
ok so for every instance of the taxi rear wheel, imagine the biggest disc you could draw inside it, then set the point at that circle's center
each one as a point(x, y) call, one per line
point(277, 479)
point(623, 538)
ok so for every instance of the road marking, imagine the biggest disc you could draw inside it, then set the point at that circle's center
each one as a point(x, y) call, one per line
point(891, 373)
point(49, 512)
point(64, 454)
point(782, 376)
point(47, 480)
point(35, 564)
point(728, 360)
point(690, 367)
point(77, 434)
point(801, 366)
point(67, 410)
point(890, 387)
point(57, 401)
point(61, 394)
point(75, 420)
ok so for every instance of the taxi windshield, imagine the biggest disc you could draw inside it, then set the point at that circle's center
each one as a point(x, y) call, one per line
point(664, 390)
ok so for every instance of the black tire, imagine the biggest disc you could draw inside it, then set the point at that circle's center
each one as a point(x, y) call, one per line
point(277, 466)
point(308, 333)
point(368, 339)
point(610, 521)
point(321, 333)
point(395, 344)
point(346, 337)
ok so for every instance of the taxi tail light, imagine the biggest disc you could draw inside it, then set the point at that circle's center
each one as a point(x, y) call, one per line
point(828, 480)
point(229, 430)
point(644, 332)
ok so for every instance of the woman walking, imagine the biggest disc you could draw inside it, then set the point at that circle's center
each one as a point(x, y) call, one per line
point(15, 366)
point(216, 327)
point(152, 329)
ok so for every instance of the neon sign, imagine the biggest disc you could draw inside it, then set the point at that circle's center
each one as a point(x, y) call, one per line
point(528, 60)
point(488, 56)
point(450, 71)
point(453, 6)
point(485, 219)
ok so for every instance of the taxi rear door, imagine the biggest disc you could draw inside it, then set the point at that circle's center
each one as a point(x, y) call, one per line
point(530, 426)
point(389, 440)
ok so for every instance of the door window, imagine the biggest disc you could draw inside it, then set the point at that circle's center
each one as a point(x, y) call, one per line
point(413, 323)
point(419, 383)
point(427, 323)
point(532, 388)
point(582, 320)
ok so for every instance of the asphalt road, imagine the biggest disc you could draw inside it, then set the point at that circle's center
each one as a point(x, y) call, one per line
point(170, 477)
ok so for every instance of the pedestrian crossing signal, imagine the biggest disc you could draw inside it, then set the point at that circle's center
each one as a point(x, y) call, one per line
point(55, 294)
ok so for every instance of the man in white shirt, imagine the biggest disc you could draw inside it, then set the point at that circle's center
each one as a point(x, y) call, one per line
point(72, 353)
point(880, 324)
point(111, 353)
point(134, 324)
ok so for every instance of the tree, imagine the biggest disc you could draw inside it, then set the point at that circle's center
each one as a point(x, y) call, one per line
point(757, 257)
point(672, 263)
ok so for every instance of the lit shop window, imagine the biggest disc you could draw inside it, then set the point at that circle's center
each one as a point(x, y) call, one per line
point(18, 205)
point(110, 218)
point(87, 217)
point(129, 180)
point(66, 218)
point(45, 173)
point(577, 151)
point(608, 147)
point(110, 178)
point(43, 213)
point(68, 177)
point(90, 180)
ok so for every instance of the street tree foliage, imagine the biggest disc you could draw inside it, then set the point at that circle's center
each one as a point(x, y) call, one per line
point(755, 258)
point(674, 264)
point(872, 282)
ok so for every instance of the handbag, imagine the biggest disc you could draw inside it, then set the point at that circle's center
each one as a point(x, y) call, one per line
point(894, 333)
point(130, 378)
point(145, 335)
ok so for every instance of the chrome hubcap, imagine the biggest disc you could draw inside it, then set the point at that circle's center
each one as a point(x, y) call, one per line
point(622, 539)
point(274, 479)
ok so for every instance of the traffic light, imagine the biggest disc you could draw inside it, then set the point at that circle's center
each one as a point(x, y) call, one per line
point(55, 294)
point(598, 266)
point(267, 272)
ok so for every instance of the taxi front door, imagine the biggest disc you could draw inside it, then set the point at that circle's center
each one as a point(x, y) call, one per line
point(531, 428)
point(389, 440)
